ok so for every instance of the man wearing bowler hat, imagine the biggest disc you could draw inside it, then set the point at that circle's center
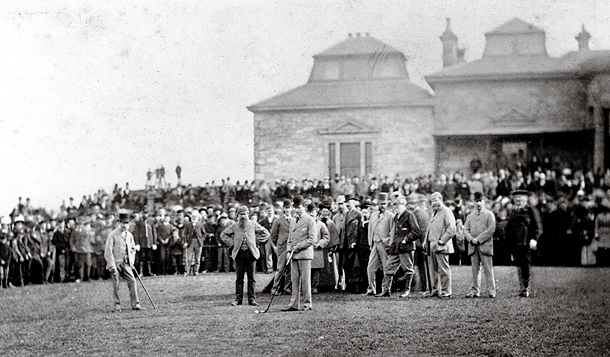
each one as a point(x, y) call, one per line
point(300, 244)
point(120, 254)
point(523, 229)
point(242, 237)
point(478, 230)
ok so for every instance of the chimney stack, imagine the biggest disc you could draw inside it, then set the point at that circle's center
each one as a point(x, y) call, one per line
point(450, 50)
point(583, 39)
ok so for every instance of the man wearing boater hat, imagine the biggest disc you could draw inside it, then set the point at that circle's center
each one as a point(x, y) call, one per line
point(120, 254)
point(523, 229)
point(242, 237)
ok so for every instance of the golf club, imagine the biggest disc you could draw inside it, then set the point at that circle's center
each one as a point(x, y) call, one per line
point(273, 293)
point(141, 282)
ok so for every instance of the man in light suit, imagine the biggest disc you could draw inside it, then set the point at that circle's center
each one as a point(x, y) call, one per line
point(120, 254)
point(242, 237)
point(300, 244)
point(339, 221)
point(478, 230)
point(379, 231)
point(438, 242)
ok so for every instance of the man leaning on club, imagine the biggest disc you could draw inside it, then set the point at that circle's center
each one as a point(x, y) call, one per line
point(120, 253)
point(300, 244)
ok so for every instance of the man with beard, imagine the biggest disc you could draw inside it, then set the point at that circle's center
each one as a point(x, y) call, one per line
point(379, 231)
point(523, 229)
point(438, 243)
point(478, 230)
point(404, 232)
point(242, 237)
point(120, 253)
point(300, 245)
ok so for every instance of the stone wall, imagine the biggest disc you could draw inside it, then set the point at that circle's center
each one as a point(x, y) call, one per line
point(289, 144)
point(517, 106)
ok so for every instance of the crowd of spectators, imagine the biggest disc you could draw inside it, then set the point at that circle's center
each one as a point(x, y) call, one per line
point(41, 246)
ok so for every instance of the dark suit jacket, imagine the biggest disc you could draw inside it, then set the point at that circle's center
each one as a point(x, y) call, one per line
point(352, 229)
point(405, 229)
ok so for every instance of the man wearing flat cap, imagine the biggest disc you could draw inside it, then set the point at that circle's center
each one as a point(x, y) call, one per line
point(478, 230)
point(120, 254)
point(438, 243)
point(523, 229)
point(242, 238)
point(300, 245)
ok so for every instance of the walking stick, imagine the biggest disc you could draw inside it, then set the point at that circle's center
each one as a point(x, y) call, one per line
point(273, 293)
point(141, 282)
point(426, 266)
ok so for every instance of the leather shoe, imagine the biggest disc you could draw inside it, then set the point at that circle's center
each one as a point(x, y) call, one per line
point(492, 296)
point(289, 309)
point(444, 296)
point(405, 294)
point(383, 294)
point(117, 308)
point(137, 307)
point(428, 294)
point(369, 293)
point(252, 303)
point(472, 296)
point(235, 303)
point(307, 308)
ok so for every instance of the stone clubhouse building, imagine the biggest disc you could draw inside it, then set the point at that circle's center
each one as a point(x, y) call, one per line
point(359, 114)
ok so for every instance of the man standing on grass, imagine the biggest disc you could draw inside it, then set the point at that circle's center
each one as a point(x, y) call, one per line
point(242, 238)
point(405, 231)
point(478, 230)
point(379, 230)
point(120, 253)
point(523, 229)
point(300, 244)
point(438, 243)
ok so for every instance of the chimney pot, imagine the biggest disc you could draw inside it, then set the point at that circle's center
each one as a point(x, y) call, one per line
point(349, 35)
point(357, 34)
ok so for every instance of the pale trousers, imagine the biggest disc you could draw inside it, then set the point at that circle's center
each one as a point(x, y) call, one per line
point(440, 272)
point(404, 260)
point(478, 259)
point(301, 284)
point(193, 258)
point(281, 263)
point(377, 259)
point(124, 270)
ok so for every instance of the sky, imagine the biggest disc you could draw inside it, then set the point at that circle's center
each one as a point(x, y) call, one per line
point(97, 92)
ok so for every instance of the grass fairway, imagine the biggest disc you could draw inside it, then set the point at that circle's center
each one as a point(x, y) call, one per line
point(568, 315)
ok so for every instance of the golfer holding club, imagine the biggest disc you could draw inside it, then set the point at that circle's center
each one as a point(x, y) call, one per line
point(120, 253)
point(300, 245)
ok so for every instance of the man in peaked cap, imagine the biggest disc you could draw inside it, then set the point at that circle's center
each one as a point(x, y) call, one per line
point(523, 229)
point(242, 237)
point(120, 254)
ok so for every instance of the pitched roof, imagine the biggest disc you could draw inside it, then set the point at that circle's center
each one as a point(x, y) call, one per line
point(515, 26)
point(494, 67)
point(347, 94)
point(359, 46)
